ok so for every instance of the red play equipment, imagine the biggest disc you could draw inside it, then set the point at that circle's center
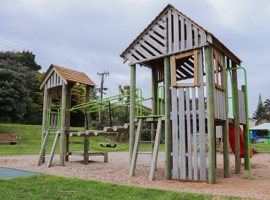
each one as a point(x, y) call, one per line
point(232, 143)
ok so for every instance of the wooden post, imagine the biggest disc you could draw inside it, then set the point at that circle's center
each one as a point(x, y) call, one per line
point(68, 121)
point(168, 133)
point(132, 111)
point(154, 101)
point(63, 120)
point(44, 116)
point(236, 122)
point(86, 125)
point(210, 115)
point(225, 134)
point(245, 134)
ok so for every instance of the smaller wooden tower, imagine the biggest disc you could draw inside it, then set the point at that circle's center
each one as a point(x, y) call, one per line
point(58, 83)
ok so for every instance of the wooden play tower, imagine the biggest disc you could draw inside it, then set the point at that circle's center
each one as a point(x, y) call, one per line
point(192, 63)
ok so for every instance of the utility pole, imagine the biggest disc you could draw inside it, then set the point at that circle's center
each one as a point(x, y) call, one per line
point(101, 90)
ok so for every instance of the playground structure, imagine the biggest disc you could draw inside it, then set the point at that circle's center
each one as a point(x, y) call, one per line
point(193, 65)
point(190, 66)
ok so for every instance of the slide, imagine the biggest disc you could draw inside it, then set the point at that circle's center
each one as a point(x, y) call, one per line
point(231, 138)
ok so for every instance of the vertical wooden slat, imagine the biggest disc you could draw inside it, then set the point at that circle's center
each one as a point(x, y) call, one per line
point(44, 117)
point(196, 41)
point(176, 32)
point(194, 122)
point(188, 134)
point(182, 134)
point(245, 133)
point(201, 108)
point(175, 134)
point(189, 34)
point(183, 42)
point(169, 29)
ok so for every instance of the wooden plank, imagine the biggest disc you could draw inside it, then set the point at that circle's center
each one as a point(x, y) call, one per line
point(169, 25)
point(185, 85)
point(131, 58)
point(156, 149)
point(189, 34)
point(173, 67)
point(53, 149)
point(135, 150)
point(153, 34)
point(175, 32)
point(194, 122)
point(43, 147)
point(175, 134)
point(183, 45)
point(182, 137)
point(159, 30)
point(188, 134)
point(201, 108)
point(196, 83)
point(142, 50)
point(63, 124)
point(154, 44)
point(136, 54)
point(196, 40)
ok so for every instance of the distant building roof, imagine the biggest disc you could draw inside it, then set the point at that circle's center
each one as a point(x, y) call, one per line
point(67, 75)
point(265, 126)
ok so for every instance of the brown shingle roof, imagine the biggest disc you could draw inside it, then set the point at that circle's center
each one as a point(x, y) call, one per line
point(70, 75)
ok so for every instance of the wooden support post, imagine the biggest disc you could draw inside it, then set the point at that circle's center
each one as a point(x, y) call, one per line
point(86, 126)
point(68, 121)
point(132, 111)
point(210, 114)
point(63, 123)
point(154, 101)
point(44, 118)
point(225, 135)
point(245, 129)
point(168, 133)
point(236, 122)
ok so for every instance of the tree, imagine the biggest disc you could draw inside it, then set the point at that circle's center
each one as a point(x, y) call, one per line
point(14, 96)
point(260, 109)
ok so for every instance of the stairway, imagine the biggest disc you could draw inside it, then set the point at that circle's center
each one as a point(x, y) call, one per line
point(154, 155)
point(43, 147)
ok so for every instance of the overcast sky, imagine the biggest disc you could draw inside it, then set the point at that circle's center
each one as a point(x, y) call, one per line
point(89, 35)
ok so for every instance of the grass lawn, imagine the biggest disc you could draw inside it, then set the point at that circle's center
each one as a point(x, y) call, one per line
point(31, 141)
point(55, 187)
point(262, 147)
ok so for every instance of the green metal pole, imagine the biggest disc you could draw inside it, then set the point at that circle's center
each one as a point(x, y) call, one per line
point(168, 132)
point(247, 113)
point(63, 123)
point(132, 111)
point(210, 115)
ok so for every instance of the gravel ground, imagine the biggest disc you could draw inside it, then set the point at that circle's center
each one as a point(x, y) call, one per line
point(116, 171)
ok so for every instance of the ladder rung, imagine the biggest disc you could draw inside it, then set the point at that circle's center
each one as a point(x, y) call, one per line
point(47, 148)
point(143, 165)
point(45, 156)
point(146, 141)
point(50, 139)
point(144, 153)
point(148, 129)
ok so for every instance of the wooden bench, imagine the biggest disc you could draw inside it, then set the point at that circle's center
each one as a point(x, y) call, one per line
point(12, 139)
point(80, 153)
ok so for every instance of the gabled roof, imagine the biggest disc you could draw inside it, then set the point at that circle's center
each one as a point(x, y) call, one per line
point(66, 75)
point(157, 39)
point(265, 126)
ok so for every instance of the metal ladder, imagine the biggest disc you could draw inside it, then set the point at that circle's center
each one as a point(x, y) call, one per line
point(154, 154)
point(43, 147)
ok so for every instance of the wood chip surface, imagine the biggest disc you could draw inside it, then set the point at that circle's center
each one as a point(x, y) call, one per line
point(116, 171)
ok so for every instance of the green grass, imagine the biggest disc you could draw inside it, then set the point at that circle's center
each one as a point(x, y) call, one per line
point(262, 147)
point(31, 141)
point(55, 187)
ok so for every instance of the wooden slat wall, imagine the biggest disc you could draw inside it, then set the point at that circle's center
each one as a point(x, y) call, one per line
point(242, 108)
point(54, 81)
point(187, 120)
point(171, 34)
